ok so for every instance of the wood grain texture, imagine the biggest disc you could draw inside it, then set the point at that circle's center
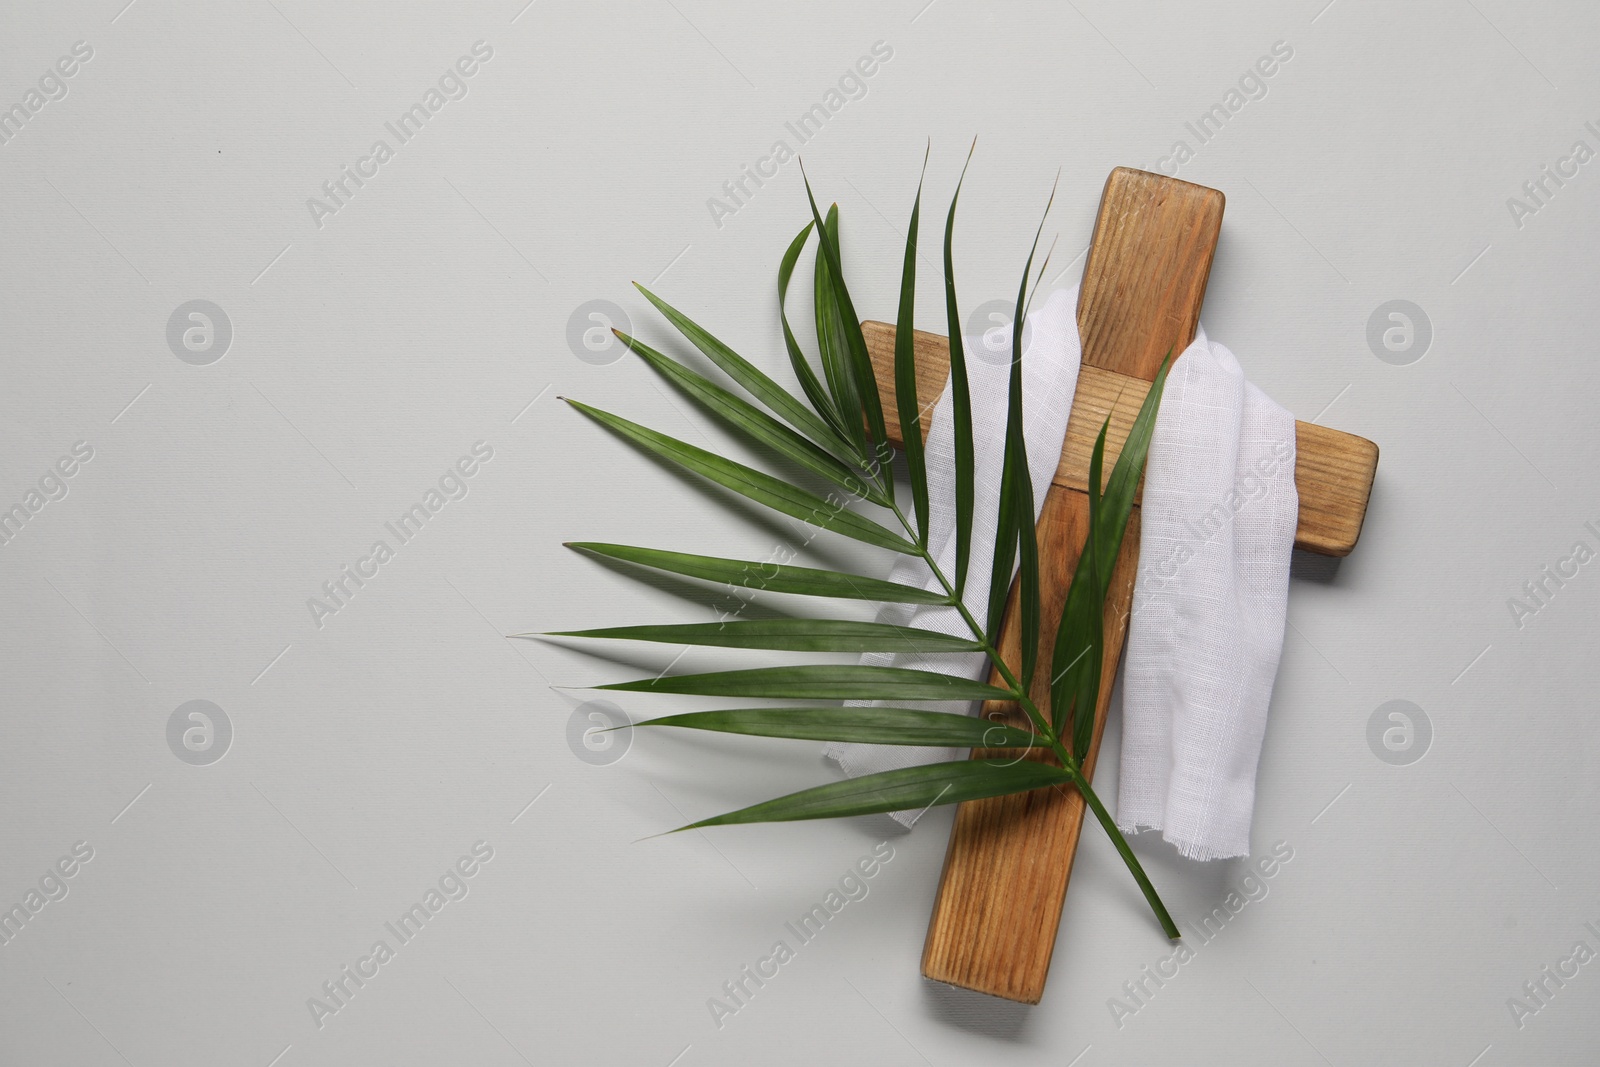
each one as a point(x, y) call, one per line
point(1333, 470)
point(1004, 881)
point(993, 927)
point(1145, 279)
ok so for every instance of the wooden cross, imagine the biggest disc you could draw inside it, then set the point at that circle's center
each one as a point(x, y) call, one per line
point(1005, 874)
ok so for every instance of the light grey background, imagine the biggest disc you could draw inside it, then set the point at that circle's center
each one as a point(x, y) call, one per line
point(432, 312)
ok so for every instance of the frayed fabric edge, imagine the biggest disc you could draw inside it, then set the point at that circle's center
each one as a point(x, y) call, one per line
point(1189, 850)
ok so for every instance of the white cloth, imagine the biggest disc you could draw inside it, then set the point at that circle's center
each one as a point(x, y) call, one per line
point(1217, 525)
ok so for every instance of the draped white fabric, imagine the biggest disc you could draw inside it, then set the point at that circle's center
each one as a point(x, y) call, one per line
point(1216, 528)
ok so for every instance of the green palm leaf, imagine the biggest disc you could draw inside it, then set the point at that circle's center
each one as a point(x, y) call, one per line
point(899, 790)
point(1016, 493)
point(749, 419)
point(843, 440)
point(905, 372)
point(866, 725)
point(753, 484)
point(1028, 593)
point(834, 681)
point(855, 341)
point(789, 635)
point(797, 359)
point(1005, 557)
point(773, 577)
point(836, 365)
point(960, 396)
point(754, 381)
point(1075, 665)
point(1125, 475)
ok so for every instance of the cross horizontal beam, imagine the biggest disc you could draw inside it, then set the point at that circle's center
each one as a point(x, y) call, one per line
point(1333, 470)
